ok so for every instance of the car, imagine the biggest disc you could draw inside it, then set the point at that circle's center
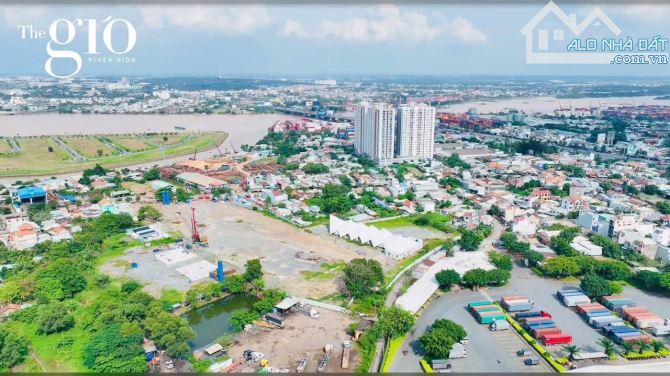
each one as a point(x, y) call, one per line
point(169, 364)
point(523, 352)
point(531, 362)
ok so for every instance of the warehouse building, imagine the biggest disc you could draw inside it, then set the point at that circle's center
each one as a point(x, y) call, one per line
point(30, 195)
point(199, 181)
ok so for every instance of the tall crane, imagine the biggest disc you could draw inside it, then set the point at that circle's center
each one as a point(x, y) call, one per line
point(194, 227)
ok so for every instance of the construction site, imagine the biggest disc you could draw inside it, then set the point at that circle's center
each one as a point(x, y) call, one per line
point(298, 339)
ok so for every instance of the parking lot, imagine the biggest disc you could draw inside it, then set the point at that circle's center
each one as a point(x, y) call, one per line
point(542, 291)
point(487, 351)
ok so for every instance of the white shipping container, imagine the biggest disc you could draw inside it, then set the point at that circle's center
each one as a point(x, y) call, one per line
point(648, 323)
point(572, 301)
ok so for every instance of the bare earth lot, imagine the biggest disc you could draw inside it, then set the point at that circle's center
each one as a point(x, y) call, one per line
point(236, 235)
point(284, 347)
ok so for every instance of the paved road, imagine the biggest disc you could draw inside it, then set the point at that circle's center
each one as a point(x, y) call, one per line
point(76, 156)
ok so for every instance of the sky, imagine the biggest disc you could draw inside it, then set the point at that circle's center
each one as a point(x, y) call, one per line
point(313, 40)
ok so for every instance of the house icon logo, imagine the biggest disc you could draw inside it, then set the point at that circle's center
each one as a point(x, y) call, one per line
point(550, 30)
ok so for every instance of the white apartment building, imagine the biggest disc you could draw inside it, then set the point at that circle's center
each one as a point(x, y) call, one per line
point(415, 132)
point(374, 132)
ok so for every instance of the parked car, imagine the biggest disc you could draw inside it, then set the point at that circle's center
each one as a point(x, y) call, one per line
point(523, 352)
point(531, 362)
point(169, 364)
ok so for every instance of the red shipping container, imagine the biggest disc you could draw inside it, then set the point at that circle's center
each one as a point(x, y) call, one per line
point(539, 333)
point(557, 339)
point(527, 320)
point(636, 338)
point(514, 297)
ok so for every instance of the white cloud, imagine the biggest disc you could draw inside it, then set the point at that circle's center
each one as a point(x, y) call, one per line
point(224, 19)
point(15, 15)
point(644, 12)
point(388, 24)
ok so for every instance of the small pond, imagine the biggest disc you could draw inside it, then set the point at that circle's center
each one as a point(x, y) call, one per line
point(213, 320)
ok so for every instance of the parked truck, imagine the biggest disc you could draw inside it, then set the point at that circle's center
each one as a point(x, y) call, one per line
point(499, 325)
point(458, 351)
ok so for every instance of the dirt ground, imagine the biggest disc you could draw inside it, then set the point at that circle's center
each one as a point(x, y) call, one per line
point(284, 347)
point(237, 234)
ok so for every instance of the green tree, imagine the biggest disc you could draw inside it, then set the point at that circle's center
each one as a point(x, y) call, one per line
point(169, 332)
point(501, 261)
point(362, 276)
point(595, 286)
point(469, 240)
point(647, 280)
point(476, 278)
point(315, 168)
point(393, 322)
point(572, 350)
point(608, 346)
point(148, 212)
point(234, 284)
point(437, 343)
point(152, 174)
point(447, 278)
point(651, 189)
point(71, 278)
point(111, 351)
point(627, 347)
point(440, 337)
point(130, 286)
point(239, 319)
point(53, 318)
point(562, 266)
point(455, 330)
point(253, 270)
point(13, 349)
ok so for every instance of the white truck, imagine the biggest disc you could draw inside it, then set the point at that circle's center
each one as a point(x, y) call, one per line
point(458, 351)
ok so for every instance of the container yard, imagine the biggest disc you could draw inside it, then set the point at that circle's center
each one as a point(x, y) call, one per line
point(486, 312)
point(572, 296)
point(642, 317)
point(539, 324)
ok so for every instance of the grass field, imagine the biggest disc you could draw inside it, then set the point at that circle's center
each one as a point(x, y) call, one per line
point(36, 159)
point(90, 147)
point(130, 143)
point(4, 146)
point(34, 156)
point(167, 139)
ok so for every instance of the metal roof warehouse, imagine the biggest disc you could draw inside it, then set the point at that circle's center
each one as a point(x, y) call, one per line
point(199, 180)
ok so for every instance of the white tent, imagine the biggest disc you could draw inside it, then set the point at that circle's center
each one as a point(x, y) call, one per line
point(396, 246)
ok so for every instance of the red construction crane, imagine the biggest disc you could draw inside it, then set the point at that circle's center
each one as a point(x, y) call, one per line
point(194, 225)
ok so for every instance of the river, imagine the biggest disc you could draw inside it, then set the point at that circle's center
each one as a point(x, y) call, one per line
point(212, 321)
point(549, 104)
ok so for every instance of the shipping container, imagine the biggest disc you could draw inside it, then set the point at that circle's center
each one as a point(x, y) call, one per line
point(593, 314)
point(490, 319)
point(573, 300)
point(513, 297)
point(532, 320)
point(542, 325)
point(538, 333)
point(557, 339)
point(480, 303)
point(519, 307)
point(521, 315)
point(648, 323)
point(486, 308)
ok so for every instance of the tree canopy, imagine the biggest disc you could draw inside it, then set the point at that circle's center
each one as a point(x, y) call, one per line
point(362, 276)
